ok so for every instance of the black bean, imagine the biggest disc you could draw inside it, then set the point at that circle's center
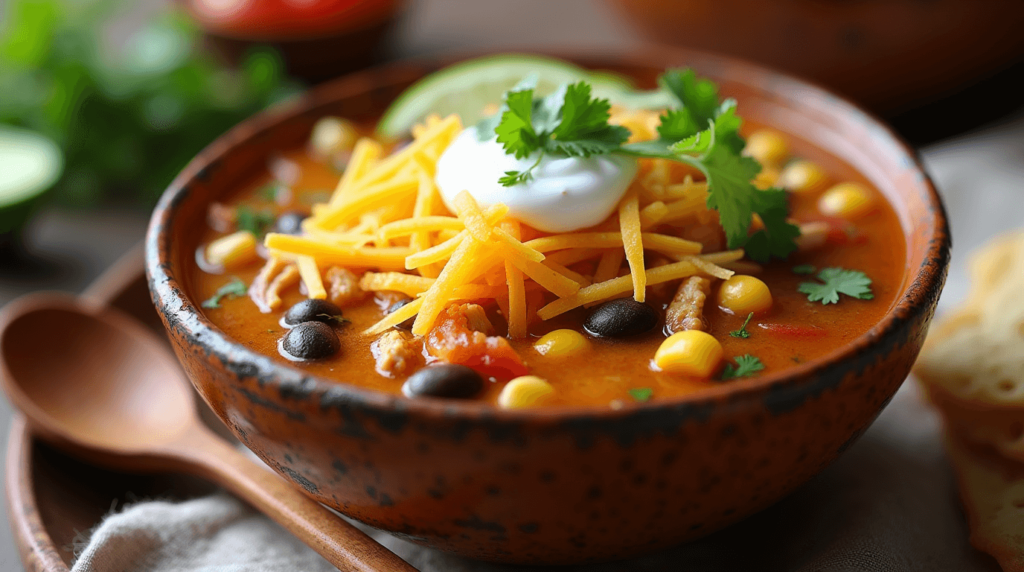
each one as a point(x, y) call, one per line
point(444, 380)
point(621, 318)
point(290, 222)
point(312, 310)
point(406, 325)
point(311, 340)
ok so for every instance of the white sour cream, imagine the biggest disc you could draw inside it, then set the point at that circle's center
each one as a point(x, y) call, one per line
point(565, 193)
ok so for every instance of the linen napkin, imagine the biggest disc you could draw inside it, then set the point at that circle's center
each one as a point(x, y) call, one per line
point(889, 504)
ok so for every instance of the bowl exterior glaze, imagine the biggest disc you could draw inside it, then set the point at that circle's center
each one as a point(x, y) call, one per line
point(562, 485)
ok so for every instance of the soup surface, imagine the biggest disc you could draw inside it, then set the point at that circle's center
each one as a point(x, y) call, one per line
point(601, 370)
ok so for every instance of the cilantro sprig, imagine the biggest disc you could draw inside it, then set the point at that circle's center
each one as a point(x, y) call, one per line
point(702, 132)
point(853, 283)
point(232, 289)
point(742, 332)
point(746, 366)
point(568, 122)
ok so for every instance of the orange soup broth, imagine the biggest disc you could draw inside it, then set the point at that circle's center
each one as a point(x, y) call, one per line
point(605, 372)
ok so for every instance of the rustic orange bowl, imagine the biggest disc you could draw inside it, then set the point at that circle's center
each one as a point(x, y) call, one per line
point(557, 485)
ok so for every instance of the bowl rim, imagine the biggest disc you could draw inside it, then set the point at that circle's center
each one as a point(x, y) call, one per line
point(918, 292)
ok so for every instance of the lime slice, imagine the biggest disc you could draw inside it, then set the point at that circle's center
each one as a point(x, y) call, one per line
point(468, 87)
point(29, 165)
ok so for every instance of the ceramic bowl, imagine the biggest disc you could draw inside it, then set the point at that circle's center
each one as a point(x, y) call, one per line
point(557, 485)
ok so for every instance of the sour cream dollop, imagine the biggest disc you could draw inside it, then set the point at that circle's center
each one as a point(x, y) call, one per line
point(565, 193)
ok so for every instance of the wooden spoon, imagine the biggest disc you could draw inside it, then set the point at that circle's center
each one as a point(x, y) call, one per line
point(98, 384)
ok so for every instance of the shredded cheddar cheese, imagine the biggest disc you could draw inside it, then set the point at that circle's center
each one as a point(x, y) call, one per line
point(386, 219)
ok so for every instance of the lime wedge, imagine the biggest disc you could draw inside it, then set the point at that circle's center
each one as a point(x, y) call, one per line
point(29, 165)
point(467, 87)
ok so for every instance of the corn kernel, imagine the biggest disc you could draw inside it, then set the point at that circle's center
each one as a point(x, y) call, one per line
point(744, 294)
point(690, 352)
point(332, 135)
point(233, 250)
point(767, 178)
point(768, 147)
point(847, 200)
point(561, 343)
point(524, 391)
point(803, 177)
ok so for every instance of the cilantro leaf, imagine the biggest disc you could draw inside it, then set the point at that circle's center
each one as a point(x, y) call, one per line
point(698, 96)
point(778, 236)
point(641, 394)
point(232, 289)
point(804, 269)
point(746, 366)
point(515, 131)
point(853, 283)
point(256, 222)
point(678, 124)
point(742, 332)
point(583, 129)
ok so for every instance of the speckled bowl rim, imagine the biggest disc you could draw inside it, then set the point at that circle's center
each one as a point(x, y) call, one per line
point(917, 295)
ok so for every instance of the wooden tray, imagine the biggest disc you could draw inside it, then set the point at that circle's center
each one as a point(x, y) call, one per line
point(53, 498)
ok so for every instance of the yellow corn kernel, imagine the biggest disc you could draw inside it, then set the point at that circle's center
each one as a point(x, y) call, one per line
point(768, 147)
point(767, 178)
point(690, 352)
point(744, 294)
point(524, 391)
point(233, 250)
point(847, 200)
point(561, 343)
point(803, 177)
point(332, 135)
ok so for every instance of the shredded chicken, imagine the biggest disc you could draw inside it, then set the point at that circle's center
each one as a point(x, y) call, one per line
point(385, 299)
point(344, 286)
point(812, 235)
point(396, 352)
point(275, 276)
point(686, 312)
point(476, 319)
point(221, 217)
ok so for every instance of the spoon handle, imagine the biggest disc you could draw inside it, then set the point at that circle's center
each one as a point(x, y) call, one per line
point(342, 544)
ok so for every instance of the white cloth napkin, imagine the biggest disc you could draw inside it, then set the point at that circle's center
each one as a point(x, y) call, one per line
point(888, 504)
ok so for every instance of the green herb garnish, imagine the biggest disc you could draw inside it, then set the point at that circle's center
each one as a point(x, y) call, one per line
point(232, 289)
point(269, 191)
point(568, 122)
point(641, 394)
point(742, 332)
point(334, 318)
point(853, 283)
point(256, 222)
point(703, 133)
point(746, 366)
point(804, 269)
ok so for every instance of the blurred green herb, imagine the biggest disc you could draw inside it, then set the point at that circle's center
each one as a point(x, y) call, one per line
point(256, 222)
point(233, 289)
point(129, 122)
point(641, 394)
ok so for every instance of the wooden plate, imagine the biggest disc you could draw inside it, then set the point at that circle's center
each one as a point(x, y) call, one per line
point(53, 498)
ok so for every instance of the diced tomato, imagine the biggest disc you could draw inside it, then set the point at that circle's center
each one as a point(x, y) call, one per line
point(794, 331)
point(453, 341)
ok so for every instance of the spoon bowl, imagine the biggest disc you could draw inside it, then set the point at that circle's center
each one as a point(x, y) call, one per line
point(93, 377)
point(99, 384)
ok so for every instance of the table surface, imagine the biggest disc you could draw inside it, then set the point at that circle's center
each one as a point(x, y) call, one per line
point(72, 248)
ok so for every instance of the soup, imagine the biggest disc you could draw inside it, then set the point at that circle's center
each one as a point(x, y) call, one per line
point(537, 302)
